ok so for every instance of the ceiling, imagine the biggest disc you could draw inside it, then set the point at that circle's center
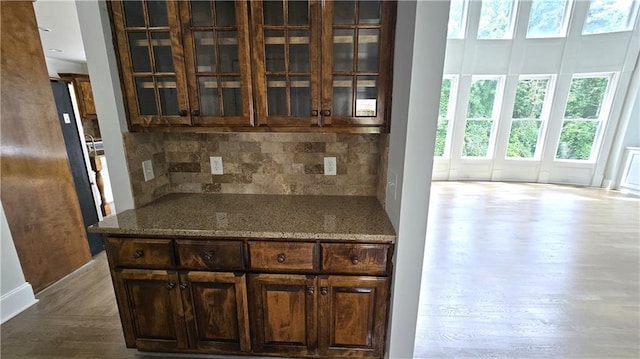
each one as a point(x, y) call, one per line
point(61, 17)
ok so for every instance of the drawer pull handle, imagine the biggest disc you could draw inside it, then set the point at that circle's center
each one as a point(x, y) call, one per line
point(171, 285)
point(184, 285)
point(281, 258)
point(208, 255)
point(324, 290)
point(138, 253)
point(310, 290)
point(354, 259)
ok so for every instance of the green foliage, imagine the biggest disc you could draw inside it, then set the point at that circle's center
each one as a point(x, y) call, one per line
point(585, 97)
point(523, 138)
point(495, 19)
point(546, 18)
point(576, 140)
point(456, 15)
point(481, 98)
point(530, 96)
point(476, 138)
point(445, 92)
point(441, 137)
point(608, 16)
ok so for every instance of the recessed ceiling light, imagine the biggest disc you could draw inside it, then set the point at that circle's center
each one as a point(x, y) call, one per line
point(45, 29)
point(55, 50)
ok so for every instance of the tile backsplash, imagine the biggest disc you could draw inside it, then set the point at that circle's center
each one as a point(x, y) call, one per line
point(256, 163)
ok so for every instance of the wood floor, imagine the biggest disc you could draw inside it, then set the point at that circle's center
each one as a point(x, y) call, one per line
point(511, 271)
point(518, 270)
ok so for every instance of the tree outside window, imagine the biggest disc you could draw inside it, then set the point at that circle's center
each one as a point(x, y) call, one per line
point(527, 117)
point(496, 19)
point(610, 16)
point(443, 117)
point(457, 19)
point(477, 136)
point(548, 18)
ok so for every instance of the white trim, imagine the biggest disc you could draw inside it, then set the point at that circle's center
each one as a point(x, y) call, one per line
point(16, 301)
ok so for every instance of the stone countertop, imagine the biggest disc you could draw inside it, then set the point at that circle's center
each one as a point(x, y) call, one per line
point(255, 216)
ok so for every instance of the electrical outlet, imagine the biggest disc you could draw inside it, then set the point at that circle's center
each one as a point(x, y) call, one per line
point(216, 165)
point(147, 170)
point(330, 166)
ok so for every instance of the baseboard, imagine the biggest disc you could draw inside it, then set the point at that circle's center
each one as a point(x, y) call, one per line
point(16, 301)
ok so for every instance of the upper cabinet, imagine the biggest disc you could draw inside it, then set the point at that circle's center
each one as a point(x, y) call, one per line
point(279, 65)
point(84, 95)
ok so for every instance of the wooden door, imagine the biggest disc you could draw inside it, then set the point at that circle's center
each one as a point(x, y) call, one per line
point(217, 60)
point(353, 316)
point(151, 61)
point(216, 311)
point(283, 314)
point(357, 39)
point(151, 309)
point(286, 59)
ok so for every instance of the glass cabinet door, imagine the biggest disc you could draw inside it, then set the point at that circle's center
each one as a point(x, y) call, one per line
point(216, 34)
point(355, 62)
point(287, 63)
point(150, 56)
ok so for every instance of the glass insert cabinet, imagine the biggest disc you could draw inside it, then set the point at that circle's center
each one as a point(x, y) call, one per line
point(276, 65)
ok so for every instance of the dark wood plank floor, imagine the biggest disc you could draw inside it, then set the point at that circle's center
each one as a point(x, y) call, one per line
point(511, 271)
point(530, 271)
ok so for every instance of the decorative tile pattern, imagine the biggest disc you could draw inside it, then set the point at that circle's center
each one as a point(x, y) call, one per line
point(141, 147)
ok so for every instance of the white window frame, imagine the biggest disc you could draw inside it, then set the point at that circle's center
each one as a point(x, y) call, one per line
point(545, 115)
point(509, 35)
point(603, 117)
point(495, 114)
point(565, 22)
point(451, 109)
point(463, 24)
point(632, 20)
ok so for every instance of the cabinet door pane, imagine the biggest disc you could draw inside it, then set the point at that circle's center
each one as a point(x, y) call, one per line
point(225, 13)
point(205, 54)
point(344, 12)
point(228, 47)
point(343, 50)
point(342, 95)
point(201, 13)
point(368, 41)
point(298, 12)
point(277, 95)
point(146, 96)
point(274, 50)
point(139, 45)
point(168, 96)
point(369, 12)
point(298, 50)
point(209, 105)
point(231, 96)
point(300, 102)
point(366, 97)
point(157, 13)
point(272, 13)
point(162, 51)
point(133, 13)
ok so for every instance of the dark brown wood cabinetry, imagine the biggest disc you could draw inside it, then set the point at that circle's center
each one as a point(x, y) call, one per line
point(84, 95)
point(256, 65)
point(258, 297)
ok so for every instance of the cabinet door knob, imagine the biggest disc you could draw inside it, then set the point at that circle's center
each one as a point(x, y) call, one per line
point(195, 112)
point(326, 112)
point(171, 285)
point(354, 259)
point(138, 253)
point(208, 255)
point(182, 113)
point(324, 290)
point(314, 112)
point(310, 289)
point(281, 258)
point(184, 285)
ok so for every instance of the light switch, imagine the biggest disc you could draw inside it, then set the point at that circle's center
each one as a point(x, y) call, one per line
point(147, 169)
point(66, 117)
point(216, 165)
point(330, 166)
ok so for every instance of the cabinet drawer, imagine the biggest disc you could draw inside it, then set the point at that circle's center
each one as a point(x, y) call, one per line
point(283, 256)
point(203, 255)
point(141, 253)
point(367, 259)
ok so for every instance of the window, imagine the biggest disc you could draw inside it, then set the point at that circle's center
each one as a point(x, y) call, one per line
point(444, 116)
point(457, 19)
point(548, 18)
point(582, 117)
point(526, 123)
point(480, 117)
point(610, 16)
point(496, 19)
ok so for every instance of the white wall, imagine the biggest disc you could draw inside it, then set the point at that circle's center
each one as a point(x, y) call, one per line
point(418, 64)
point(16, 294)
point(105, 83)
point(56, 66)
